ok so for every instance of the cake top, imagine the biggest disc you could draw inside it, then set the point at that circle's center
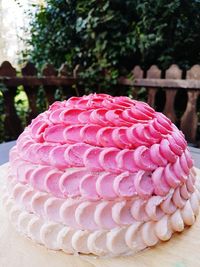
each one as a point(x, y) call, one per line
point(119, 147)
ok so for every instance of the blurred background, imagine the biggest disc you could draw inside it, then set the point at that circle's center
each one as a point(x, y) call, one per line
point(53, 49)
point(14, 21)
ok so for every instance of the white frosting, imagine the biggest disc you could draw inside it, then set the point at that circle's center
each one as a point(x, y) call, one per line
point(93, 215)
point(117, 241)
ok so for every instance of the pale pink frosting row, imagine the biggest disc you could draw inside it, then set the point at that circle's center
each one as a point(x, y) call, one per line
point(114, 242)
point(81, 214)
point(81, 181)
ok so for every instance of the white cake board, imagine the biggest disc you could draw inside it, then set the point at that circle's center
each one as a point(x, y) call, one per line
point(182, 250)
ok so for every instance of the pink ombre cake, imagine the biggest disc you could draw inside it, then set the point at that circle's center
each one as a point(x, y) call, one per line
point(102, 175)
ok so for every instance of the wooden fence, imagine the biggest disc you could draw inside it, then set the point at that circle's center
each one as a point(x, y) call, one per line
point(28, 77)
point(170, 82)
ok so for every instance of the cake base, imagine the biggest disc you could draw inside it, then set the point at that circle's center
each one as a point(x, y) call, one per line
point(182, 250)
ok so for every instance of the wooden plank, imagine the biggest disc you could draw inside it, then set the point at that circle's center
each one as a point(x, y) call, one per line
point(189, 119)
point(61, 81)
point(6, 69)
point(12, 122)
point(49, 71)
point(169, 104)
point(151, 96)
point(153, 73)
point(193, 73)
point(162, 83)
point(137, 72)
point(173, 72)
point(31, 91)
point(37, 81)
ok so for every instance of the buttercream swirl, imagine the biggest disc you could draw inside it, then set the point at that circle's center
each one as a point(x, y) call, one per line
point(100, 183)
point(119, 137)
point(90, 215)
point(117, 241)
point(107, 134)
point(105, 121)
point(103, 175)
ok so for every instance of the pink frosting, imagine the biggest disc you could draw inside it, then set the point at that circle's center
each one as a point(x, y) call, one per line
point(100, 214)
point(101, 174)
point(99, 146)
point(96, 184)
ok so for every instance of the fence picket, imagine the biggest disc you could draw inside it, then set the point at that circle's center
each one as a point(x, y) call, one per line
point(49, 71)
point(173, 72)
point(72, 84)
point(31, 91)
point(137, 73)
point(153, 73)
point(190, 117)
point(12, 123)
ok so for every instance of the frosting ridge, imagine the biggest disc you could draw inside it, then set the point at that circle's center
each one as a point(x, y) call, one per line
point(103, 175)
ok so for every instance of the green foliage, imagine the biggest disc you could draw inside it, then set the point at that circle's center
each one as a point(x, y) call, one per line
point(169, 32)
point(21, 105)
point(107, 38)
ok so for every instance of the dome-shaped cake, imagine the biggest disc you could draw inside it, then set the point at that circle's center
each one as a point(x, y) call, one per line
point(102, 175)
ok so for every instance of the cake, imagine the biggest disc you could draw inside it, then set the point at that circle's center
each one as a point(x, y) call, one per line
point(101, 175)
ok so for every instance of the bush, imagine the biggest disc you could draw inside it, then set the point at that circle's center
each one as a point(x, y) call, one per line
point(107, 38)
